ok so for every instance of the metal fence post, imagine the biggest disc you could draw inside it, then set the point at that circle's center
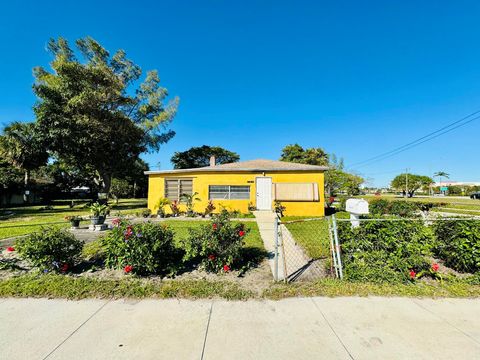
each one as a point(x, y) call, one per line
point(337, 245)
point(275, 231)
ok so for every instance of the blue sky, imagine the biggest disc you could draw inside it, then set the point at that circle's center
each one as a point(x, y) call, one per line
point(356, 78)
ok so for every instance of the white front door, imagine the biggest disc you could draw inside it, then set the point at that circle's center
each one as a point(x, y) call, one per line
point(264, 193)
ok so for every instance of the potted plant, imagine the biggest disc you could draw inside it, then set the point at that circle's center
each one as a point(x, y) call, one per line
point(74, 220)
point(174, 207)
point(189, 202)
point(279, 208)
point(99, 213)
point(162, 202)
point(209, 209)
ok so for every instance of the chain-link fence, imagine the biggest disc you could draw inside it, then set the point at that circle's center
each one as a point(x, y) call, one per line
point(303, 249)
point(378, 249)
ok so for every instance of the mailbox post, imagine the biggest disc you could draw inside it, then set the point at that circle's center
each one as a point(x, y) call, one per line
point(356, 207)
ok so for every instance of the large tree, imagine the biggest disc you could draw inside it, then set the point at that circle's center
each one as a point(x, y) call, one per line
point(337, 179)
point(200, 156)
point(312, 156)
point(21, 147)
point(410, 183)
point(94, 115)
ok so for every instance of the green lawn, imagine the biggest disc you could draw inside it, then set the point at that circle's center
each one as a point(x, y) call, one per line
point(70, 287)
point(312, 235)
point(27, 219)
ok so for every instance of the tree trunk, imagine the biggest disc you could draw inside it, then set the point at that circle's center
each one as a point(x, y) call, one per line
point(26, 182)
point(104, 181)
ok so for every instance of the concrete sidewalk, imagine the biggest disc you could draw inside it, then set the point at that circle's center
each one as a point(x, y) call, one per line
point(298, 328)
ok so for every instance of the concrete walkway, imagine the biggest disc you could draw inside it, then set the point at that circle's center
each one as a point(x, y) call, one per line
point(266, 227)
point(292, 259)
point(298, 328)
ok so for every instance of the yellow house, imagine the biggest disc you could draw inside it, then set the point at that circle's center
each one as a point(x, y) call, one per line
point(240, 185)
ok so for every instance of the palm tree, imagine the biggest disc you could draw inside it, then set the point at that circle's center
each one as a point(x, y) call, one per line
point(189, 202)
point(21, 148)
point(441, 174)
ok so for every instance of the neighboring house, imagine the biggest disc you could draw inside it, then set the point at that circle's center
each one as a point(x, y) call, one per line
point(235, 186)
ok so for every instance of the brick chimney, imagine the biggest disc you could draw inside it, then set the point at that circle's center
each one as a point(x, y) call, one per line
point(212, 160)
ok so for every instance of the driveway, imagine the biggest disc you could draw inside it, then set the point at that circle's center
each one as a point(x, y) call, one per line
point(297, 328)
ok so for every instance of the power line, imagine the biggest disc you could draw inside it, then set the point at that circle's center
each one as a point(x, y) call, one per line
point(421, 140)
point(431, 138)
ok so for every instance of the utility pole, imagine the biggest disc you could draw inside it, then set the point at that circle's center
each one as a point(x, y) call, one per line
point(406, 182)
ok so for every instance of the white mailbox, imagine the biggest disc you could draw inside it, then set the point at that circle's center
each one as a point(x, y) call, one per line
point(357, 206)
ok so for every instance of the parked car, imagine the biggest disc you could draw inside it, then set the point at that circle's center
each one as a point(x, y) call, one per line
point(475, 195)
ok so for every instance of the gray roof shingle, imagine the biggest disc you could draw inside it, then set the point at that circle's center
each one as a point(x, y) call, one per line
point(248, 166)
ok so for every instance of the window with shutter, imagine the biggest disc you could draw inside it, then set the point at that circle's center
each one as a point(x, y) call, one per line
point(174, 188)
point(296, 192)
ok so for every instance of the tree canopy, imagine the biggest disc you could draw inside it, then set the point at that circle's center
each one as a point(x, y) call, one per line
point(297, 154)
point(337, 180)
point(415, 183)
point(93, 116)
point(200, 156)
point(21, 147)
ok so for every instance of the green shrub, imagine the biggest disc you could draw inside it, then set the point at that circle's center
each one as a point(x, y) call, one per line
point(50, 248)
point(379, 206)
point(400, 208)
point(145, 248)
point(403, 208)
point(385, 251)
point(458, 244)
point(217, 244)
point(146, 213)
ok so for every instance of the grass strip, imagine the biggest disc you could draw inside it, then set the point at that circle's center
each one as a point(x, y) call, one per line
point(69, 287)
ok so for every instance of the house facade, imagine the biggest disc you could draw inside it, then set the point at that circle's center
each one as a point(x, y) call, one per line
point(238, 186)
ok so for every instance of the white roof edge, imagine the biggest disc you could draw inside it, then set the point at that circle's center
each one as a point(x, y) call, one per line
point(213, 169)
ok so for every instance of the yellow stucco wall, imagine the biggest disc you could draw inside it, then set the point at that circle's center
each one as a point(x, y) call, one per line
point(201, 181)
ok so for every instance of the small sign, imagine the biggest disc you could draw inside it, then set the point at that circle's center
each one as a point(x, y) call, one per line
point(444, 188)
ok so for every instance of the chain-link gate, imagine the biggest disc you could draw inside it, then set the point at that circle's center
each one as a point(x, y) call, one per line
point(302, 251)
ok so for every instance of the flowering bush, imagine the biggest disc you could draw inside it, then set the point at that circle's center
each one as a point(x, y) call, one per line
point(217, 244)
point(385, 251)
point(144, 248)
point(458, 244)
point(50, 249)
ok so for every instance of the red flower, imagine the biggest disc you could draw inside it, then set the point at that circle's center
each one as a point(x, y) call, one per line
point(116, 222)
point(128, 268)
point(226, 268)
point(211, 257)
point(10, 249)
point(214, 226)
point(128, 232)
point(64, 267)
point(435, 267)
point(412, 274)
point(241, 233)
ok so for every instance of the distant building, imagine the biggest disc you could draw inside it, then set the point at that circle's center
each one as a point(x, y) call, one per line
point(456, 183)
